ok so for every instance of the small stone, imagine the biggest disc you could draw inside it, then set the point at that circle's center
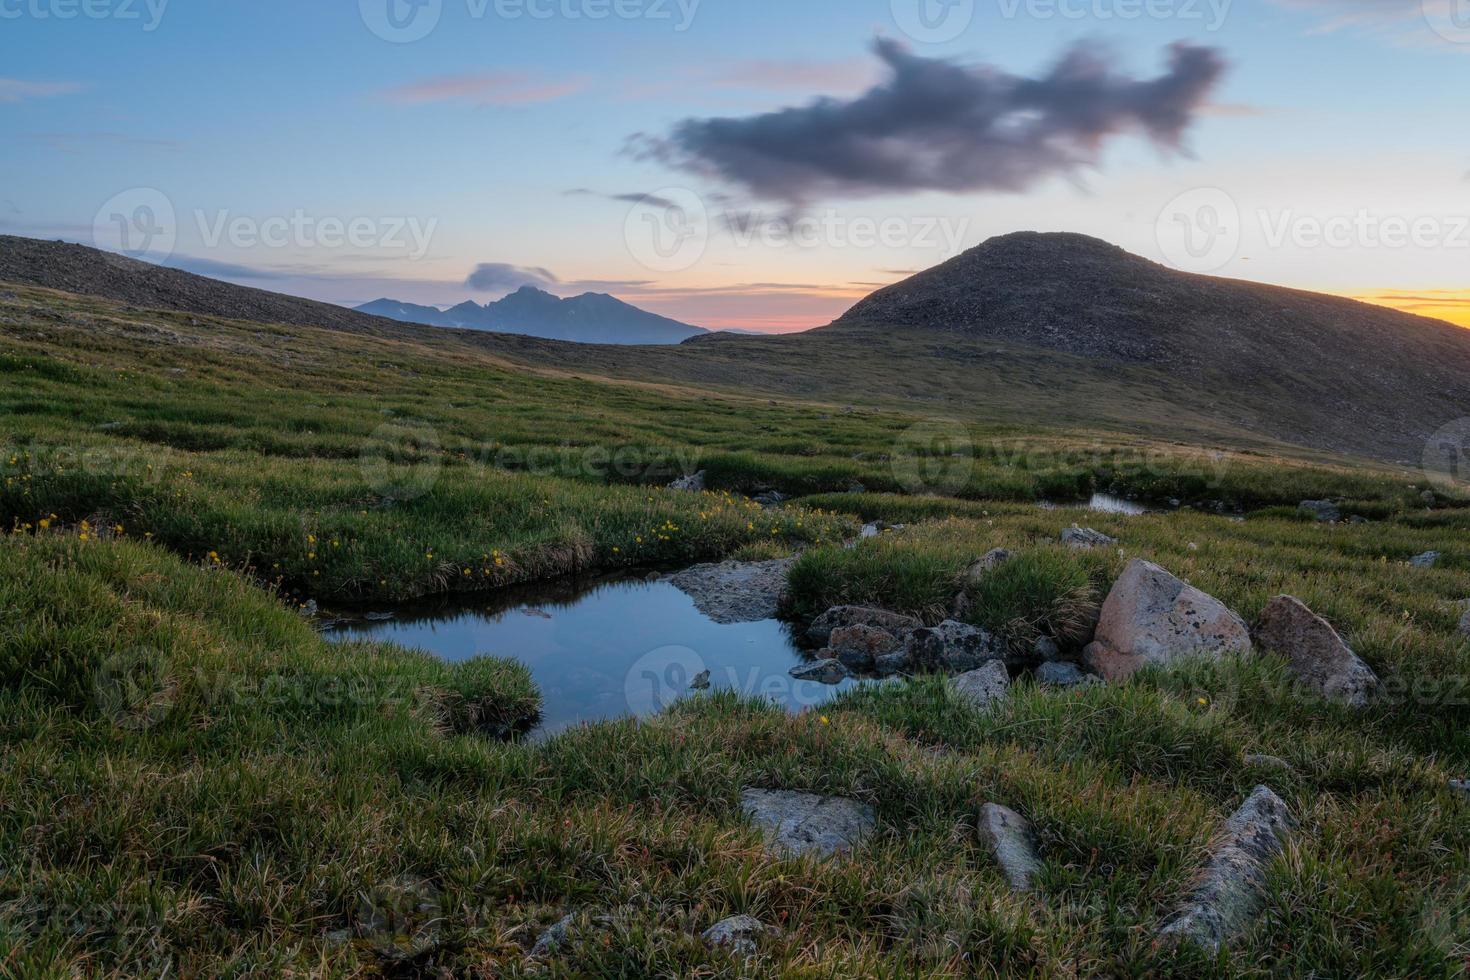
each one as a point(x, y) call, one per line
point(692, 483)
point(739, 934)
point(986, 564)
point(806, 823)
point(1060, 674)
point(1427, 560)
point(1321, 510)
point(1465, 618)
point(1319, 657)
point(771, 498)
point(827, 671)
point(820, 632)
point(982, 688)
point(1268, 762)
point(1228, 890)
point(554, 937)
point(1086, 537)
point(1461, 786)
point(1008, 836)
point(858, 647)
point(1046, 649)
point(953, 647)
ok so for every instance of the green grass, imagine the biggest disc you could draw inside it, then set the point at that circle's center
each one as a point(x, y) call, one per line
point(193, 782)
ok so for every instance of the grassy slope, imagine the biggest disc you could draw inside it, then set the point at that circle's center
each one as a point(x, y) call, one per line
point(193, 779)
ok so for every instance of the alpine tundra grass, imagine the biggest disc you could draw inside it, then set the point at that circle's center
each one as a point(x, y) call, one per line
point(194, 782)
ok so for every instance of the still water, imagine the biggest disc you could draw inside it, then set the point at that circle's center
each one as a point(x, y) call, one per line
point(606, 648)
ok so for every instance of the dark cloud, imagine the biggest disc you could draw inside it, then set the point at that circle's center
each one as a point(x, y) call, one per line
point(939, 125)
point(501, 277)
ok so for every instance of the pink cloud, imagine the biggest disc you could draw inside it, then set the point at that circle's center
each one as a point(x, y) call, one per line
point(484, 88)
point(18, 90)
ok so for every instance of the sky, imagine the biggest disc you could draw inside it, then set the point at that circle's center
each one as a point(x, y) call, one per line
point(755, 164)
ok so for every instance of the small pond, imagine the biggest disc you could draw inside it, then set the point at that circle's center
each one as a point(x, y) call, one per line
point(1105, 503)
point(605, 648)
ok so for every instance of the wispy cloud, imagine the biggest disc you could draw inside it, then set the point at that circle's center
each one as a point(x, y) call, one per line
point(72, 142)
point(500, 88)
point(18, 90)
point(633, 197)
point(936, 124)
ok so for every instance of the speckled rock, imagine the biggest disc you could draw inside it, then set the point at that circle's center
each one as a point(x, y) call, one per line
point(1319, 658)
point(1228, 890)
point(1427, 560)
point(859, 647)
point(953, 647)
point(806, 823)
point(820, 632)
point(739, 933)
point(736, 591)
point(1086, 537)
point(1152, 617)
point(1321, 510)
point(982, 688)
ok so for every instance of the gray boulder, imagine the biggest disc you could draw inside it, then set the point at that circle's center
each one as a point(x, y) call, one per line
point(805, 823)
point(829, 671)
point(982, 688)
point(952, 647)
point(1318, 656)
point(692, 483)
point(1321, 510)
point(1461, 786)
point(1427, 560)
point(739, 934)
point(1008, 837)
point(1060, 674)
point(859, 647)
point(1152, 617)
point(1228, 890)
point(820, 632)
point(1086, 537)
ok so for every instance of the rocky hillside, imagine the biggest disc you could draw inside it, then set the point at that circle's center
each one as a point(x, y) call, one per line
point(1371, 377)
point(90, 272)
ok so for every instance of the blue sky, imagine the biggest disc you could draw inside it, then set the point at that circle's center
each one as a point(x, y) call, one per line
point(501, 137)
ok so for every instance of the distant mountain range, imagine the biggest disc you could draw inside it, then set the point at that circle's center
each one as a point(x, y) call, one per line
point(592, 318)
